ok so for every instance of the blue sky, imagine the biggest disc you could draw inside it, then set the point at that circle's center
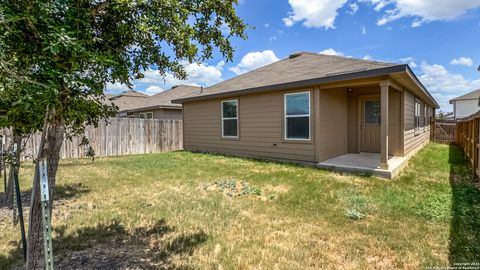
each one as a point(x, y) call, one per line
point(440, 40)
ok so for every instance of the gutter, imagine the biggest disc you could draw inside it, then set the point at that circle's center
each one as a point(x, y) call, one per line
point(317, 81)
point(173, 107)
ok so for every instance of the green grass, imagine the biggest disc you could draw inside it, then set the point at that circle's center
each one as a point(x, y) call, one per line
point(156, 211)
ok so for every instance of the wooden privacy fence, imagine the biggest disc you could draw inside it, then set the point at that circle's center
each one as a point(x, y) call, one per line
point(468, 139)
point(444, 132)
point(122, 136)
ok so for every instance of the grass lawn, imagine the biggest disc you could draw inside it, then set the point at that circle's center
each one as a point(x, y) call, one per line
point(163, 211)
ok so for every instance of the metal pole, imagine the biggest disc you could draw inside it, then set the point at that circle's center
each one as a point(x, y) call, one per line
point(3, 168)
point(12, 172)
point(20, 211)
point(45, 199)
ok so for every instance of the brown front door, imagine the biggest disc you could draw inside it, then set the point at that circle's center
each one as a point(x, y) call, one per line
point(370, 124)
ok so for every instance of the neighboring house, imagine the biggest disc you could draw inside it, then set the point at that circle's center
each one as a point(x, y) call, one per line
point(449, 116)
point(124, 99)
point(158, 106)
point(316, 109)
point(465, 105)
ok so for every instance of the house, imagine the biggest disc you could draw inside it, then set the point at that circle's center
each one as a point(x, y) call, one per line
point(158, 106)
point(466, 105)
point(449, 117)
point(124, 99)
point(335, 112)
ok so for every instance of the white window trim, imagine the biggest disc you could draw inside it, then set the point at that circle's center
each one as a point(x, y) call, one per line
point(425, 114)
point(145, 115)
point(229, 118)
point(417, 109)
point(295, 116)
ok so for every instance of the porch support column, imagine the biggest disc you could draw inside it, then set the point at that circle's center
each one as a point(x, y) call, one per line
point(384, 85)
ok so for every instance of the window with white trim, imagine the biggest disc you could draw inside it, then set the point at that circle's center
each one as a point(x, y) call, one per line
point(417, 115)
point(146, 115)
point(230, 118)
point(297, 116)
point(425, 115)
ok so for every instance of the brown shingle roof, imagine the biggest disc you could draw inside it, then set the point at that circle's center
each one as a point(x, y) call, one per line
point(298, 67)
point(472, 95)
point(130, 94)
point(162, 99)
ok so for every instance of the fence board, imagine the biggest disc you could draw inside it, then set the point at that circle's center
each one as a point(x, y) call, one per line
point(445, 132)
point(468, 131)
point(122, 136)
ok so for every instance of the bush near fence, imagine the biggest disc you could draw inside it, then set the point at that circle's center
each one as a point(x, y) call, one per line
point(116, 137)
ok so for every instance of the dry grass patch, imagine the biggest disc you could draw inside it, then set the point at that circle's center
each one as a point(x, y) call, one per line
point(154, 212)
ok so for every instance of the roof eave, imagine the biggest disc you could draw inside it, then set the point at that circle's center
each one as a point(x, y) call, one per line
point(329, 79)
point(419, 84)
point(303, 83)
point(174, 107)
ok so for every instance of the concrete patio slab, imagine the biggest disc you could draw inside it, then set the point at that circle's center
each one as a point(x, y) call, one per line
point(365, 163)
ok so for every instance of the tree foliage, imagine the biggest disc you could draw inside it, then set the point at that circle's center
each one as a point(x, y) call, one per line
point(67, 51)
point(57, 56)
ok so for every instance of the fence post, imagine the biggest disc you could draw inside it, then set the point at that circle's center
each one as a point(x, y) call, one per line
point(476, 129)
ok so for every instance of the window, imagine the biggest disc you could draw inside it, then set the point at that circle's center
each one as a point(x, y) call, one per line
point(425, 115)
point(417, 115)
point(230, 118)
point(297, 116)
point(146, 115)
point(372, 112)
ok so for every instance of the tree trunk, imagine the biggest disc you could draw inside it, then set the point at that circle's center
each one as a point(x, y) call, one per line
point(52, 139)
point(8, 200)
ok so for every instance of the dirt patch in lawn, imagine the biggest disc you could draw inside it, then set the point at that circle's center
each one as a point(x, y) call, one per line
point(236, 188)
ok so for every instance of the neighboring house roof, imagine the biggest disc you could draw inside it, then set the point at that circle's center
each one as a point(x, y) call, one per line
point(301, 70)
point(472, 95)
point(125, 99)
point(162, 99)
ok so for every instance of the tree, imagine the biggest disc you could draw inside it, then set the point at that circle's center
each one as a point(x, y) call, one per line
point(69, 50)
point(22, 113)
point(441, 116)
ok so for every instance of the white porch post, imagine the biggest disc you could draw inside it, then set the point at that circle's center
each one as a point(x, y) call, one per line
point(384, 85)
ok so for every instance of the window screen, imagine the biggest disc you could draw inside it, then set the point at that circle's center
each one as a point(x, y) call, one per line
point(297, 116)
point(230, 118)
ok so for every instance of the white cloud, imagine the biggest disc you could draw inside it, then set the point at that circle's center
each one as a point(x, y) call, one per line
point(409, 60)
point(254, 60)
point(367, 57)
point(364, 30)
point(116, 87)
point(198, 74)
point(464, 61)
point(331, 51)
point(439, 79)
point(353, 8)
point(266, 25)
point(153, 82)
point(153, 89)
point(445, 85)
point(314, 13)
point(422, 10)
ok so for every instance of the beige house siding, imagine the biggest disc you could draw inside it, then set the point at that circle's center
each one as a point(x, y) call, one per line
point(261, 131)
point(333, 124)
point(168, 114)
point(413, 139)
point(394, 142)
